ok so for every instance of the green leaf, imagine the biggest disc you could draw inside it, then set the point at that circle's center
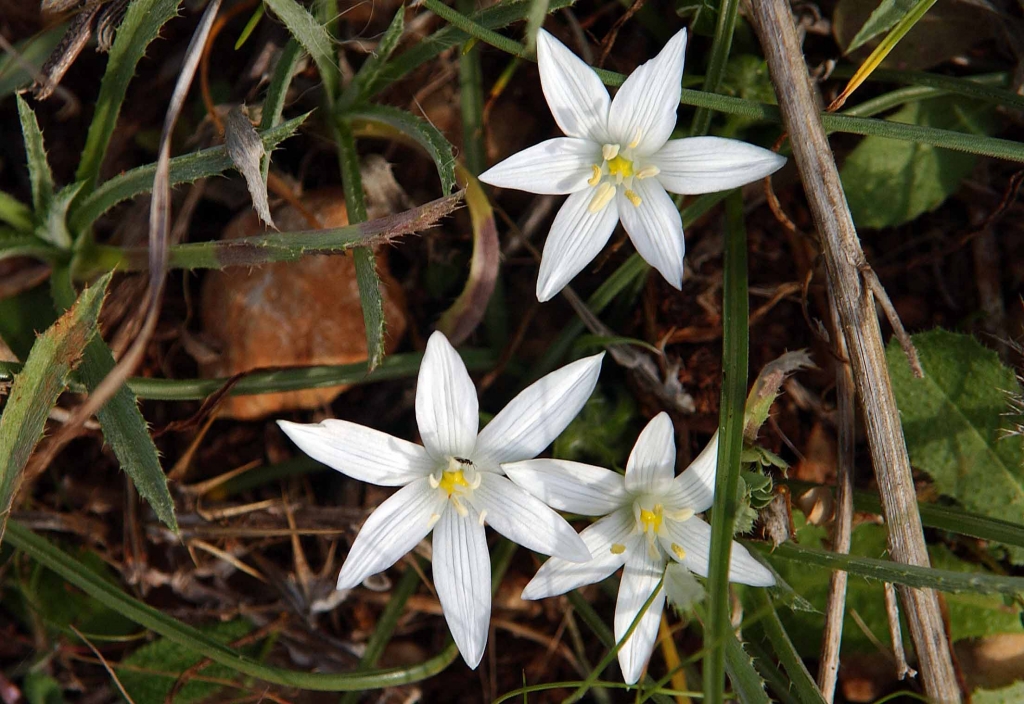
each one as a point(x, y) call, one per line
point(955, 424)
point(36, 389)
point(314, 39)
point(15, 213)
point(29, 54)
point(123, 426)
point(39, 173)
point(27, 246)
point(40, 688)
point(971, 614)
point(150, 672)
point(369, 72)
point(184, 169)
point(44, 552)
point(140, 26)
point(53, 220)
point(890, 182)
point(1014, 694)
point(887, 14)
point(366, 120)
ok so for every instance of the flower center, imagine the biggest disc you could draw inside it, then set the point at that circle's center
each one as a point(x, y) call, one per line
point(651, 520)
point(618, 169)
point(457, 481)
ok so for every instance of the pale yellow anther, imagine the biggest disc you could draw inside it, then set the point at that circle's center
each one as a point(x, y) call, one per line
point(434, 482)
point(477, 481)
point(483, 515)
point(610, 151)
point(462, 510)
point(432, 521)
point(596, 178)
point(602, 197)
point(678, 551)
point(647, 172)
point(636, 139)
point(618, 548)
point(633, 198)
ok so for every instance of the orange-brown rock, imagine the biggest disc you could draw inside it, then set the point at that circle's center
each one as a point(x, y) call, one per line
point(291, 313)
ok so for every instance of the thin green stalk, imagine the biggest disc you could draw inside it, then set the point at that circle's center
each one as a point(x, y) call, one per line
point(800, 679)
point(730, 445)
point(604, 684)
point(990, 87)
point(471, 101)
point(386, 624)
point(720, 47)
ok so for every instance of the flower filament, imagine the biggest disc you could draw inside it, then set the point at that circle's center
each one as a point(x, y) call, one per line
point(618, 168)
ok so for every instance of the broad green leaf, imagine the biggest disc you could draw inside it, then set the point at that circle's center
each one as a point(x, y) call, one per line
point(887, 14)
point(369, 72)
point(383, 121)
point(15, 213)
point(955, 424)
point(39, 172)
point(888, 182)
point(149, 673)
point(140, 26)
point(314, 39)
point(971, 615)
point(123, 426)
point(1014, 694)
point(36, 389)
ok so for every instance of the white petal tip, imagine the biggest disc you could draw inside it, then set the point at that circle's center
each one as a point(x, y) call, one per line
point(545, 291)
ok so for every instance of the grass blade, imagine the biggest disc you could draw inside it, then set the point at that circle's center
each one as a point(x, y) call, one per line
point(369, 72)
point(35, 390)
point(39, 174)
point(184, 169)
point(800, 681)
point(70, 569)
point(15, 213)
point(734, 391)
point(123, 426)
point(725, 27)
point(313, 37)
point(141, 25)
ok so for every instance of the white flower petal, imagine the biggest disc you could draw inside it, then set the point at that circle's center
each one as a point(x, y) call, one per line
point(462, 577)
point(639, 580)
point(695, 487)
point(576, 237)
point(652, 463)
point(656, 229)
point(555, 167)
point(537, 415)
point(526, 520)
point(694, 536)
point(447, 410)
point(360, 452)
point(577, 98)
point(710, 164)
point(559, 576)
point(570, 486)
point(646, 103)
point(391, 531)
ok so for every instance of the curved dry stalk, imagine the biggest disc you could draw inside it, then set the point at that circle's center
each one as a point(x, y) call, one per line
point(856, 307)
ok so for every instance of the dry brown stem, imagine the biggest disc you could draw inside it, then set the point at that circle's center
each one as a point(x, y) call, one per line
point(856, 307)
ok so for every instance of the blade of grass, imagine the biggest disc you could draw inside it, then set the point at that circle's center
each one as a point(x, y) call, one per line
point(184, 169)
point(534, 21)
point(314, 38)
point(123, 426)
point(358, 89)
point(730, 447)
point(364, 257)
point(15, 213)
point(801, 682)
point(721, 44)
point(28, 246)
point(74, 572)
point(385, 122)
point(140, 26)
point(39, 175)
point(897, 573)
point(990, 87)
point(35, 392)
point(399, 366)
point(746, 682)
point(471, 101)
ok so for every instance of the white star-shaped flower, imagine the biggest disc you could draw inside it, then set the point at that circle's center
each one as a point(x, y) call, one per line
point(616, 162)
point(453, 484)
point(649, 518)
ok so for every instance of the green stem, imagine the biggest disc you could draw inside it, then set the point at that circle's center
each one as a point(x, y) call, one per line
point(472, 103)
point(720, 47)
point(730, 444)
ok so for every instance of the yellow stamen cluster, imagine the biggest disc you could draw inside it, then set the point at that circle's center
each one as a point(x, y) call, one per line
point(618, 166)
point(652, 519)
